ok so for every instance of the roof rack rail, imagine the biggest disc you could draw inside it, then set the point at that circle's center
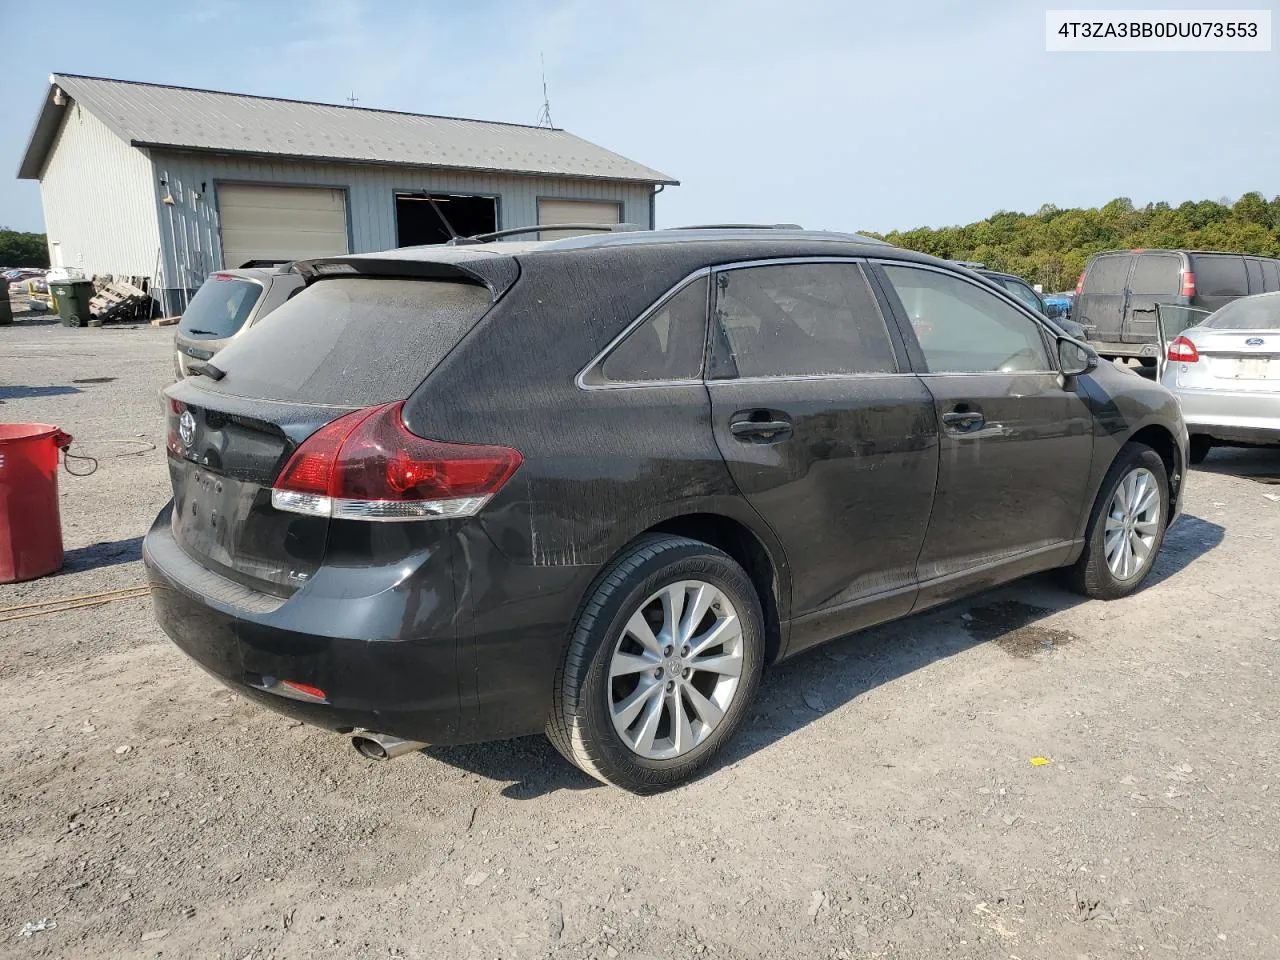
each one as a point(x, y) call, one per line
point(971, 264)
point(517, 231)
point(740, 226)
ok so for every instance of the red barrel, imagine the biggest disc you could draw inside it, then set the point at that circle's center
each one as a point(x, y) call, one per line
point(30, 531)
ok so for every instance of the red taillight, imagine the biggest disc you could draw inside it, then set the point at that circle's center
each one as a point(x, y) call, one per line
point(1080, 284)
point(1182, 350)
point(368, 466)
point(1188, 283)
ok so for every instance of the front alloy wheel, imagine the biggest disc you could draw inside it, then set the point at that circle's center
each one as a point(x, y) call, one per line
point(1133, 521)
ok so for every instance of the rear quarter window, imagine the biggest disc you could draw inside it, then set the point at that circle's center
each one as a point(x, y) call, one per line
point(1220, 276)
point(351, 341)
point(1107, 275)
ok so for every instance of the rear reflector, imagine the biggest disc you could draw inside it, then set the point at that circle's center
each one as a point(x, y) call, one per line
point(1182, 350)
point(305, 689)
point(368, 466)
point(1188, 283)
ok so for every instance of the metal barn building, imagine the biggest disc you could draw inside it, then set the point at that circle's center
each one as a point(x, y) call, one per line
point(171, 183)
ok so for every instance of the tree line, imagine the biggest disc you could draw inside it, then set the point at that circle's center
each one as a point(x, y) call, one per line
point(1051, 245)
point(18, 249)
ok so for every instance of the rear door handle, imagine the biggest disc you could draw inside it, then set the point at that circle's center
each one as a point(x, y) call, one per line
point(760, 431)
point(964, 420)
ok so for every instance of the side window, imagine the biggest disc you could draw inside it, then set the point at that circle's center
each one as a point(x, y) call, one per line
point(1025, 294)
point(963, 328)
point(1220, 276)
point(668, 345)
point(1107, 275)
point(1270, 276)
point(802, 319)
point(1156, 275)
point(1254, 270)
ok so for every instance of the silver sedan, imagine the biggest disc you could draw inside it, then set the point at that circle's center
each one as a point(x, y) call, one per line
point(1224, 367)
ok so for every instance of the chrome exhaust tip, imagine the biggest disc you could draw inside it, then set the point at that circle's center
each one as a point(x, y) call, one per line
point(383, 746)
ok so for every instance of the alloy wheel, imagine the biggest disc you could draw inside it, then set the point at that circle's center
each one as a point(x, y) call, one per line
point(675, 669)
point(1133, 520)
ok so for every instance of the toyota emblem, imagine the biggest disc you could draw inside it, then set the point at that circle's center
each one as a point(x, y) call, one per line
point(187, 428)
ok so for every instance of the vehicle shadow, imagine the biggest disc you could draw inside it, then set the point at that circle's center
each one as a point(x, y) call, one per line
point(801, 690)
point(1255, 463)
point(106, 554)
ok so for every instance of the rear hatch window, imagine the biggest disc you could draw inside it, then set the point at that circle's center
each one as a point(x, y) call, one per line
point(351, 341)
point(220, 307)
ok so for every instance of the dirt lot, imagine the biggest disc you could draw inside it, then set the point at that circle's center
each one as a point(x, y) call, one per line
point(882, 802)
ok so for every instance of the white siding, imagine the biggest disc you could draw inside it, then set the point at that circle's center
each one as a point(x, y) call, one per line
point(99, 199)
point(371, 207)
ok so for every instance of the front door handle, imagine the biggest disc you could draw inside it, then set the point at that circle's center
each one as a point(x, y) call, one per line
point(760, 431)
point(964, 420)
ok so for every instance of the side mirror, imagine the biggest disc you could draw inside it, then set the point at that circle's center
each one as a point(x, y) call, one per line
point(1075, 359)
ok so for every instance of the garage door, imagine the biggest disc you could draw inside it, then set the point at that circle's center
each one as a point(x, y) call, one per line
point(261, 222)
point(575, 211)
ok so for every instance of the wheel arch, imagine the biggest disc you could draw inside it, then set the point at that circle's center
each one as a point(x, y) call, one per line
point(1161, 439)
point(769, 577)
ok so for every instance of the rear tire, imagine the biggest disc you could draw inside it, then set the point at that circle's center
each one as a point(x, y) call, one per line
point(1199, 447)
point(1126, 527)
point(638, 703)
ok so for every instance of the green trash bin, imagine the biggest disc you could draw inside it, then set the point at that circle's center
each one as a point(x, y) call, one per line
point(6, 309)
point(72, 297)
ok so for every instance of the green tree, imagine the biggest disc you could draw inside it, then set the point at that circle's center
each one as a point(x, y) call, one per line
point(19, 249)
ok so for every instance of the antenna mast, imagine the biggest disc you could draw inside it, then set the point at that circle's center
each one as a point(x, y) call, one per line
point(544, 115)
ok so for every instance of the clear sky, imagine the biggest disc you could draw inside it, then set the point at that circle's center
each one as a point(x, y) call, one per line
point(827, 113)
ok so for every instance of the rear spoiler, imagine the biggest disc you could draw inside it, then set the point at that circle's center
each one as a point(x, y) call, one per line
point(497, 273)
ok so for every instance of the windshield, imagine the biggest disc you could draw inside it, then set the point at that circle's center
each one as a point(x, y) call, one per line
point(1251, 313)
point(220, 307)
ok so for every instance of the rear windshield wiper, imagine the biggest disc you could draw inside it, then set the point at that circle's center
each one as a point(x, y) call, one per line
point(208, 370)
point(210, 333)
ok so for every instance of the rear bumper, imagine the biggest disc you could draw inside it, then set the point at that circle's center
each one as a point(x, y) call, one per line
point(406, 686)
point(1110, 348)
point(1230, 415)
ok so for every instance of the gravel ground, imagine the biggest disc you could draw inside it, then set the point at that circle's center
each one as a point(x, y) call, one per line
point(882, 801)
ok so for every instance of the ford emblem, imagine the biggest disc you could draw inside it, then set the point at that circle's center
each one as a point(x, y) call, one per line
point(187, 428)
point(1254, 342)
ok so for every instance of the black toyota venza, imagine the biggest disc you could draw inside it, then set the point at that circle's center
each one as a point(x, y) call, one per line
point(593, 486)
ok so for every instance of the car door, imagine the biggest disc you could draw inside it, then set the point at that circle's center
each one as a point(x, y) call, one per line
point(828, 435)
point(1156, 278)
point(1016, 440)
point(1100, 306)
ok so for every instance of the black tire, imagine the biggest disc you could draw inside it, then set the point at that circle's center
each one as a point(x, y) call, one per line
point(1090, 575)
point(581, 725)
point(1199, 447)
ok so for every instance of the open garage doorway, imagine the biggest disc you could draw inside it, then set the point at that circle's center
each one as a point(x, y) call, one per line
point(418, 218)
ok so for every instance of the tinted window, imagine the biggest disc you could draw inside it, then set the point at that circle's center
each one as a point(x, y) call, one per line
point(668, 345)
point(350, 341)
point(1023, 293)
point(1252, 313)
point(964, 329)
point(1220, 276)
point(220, 307)
point(1253, 269)
point(1270, 275)
point(1107, 275)
point(798, 320)
point(1156, 275)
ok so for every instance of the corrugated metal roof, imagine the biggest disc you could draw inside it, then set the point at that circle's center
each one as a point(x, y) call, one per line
point(152, 115)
